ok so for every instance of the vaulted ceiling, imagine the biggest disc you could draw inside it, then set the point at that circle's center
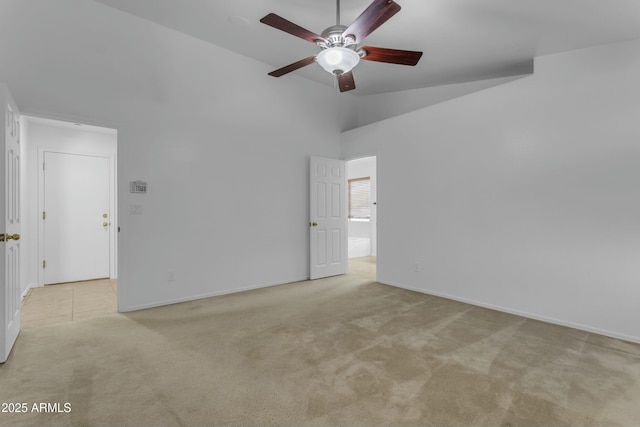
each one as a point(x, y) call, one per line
point(462, 40)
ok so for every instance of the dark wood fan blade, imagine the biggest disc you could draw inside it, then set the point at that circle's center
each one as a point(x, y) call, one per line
point(392, 56)
point(346, 82)
point(292, 67)
point(289, 27)
point(375, 15)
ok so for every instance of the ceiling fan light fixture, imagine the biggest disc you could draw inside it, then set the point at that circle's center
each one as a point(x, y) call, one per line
point(338, 60)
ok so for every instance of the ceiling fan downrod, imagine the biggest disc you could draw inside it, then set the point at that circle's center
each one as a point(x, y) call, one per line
point(333, 36)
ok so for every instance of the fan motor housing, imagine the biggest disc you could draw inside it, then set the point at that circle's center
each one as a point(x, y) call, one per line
point(334, 36)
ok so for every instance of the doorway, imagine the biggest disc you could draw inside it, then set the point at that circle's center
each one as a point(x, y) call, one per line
point(362, 214)
point(73, 166)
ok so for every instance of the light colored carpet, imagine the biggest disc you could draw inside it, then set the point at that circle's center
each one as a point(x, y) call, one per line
point(343, 351)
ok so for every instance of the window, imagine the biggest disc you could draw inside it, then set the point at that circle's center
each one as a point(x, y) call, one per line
point(360, 198)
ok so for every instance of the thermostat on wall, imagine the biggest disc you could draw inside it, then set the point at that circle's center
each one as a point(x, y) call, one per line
point(137, 187)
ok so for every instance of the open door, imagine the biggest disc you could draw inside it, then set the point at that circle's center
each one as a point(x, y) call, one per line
point(328, 218)
point(9, 224)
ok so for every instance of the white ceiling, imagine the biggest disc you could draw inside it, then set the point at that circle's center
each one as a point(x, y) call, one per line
point(462, 40)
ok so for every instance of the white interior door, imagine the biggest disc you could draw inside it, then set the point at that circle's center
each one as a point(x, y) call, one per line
point(328, 222)
point(76, 217)
point(10, 226)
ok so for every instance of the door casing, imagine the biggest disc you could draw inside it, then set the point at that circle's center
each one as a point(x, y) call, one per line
point(42, 147)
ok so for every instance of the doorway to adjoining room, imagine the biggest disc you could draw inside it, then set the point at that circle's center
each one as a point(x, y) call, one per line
point(362, 215)
point(72, 167)
point(70, 203)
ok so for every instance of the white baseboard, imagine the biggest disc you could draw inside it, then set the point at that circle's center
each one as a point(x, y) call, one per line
point(29, 287)
point(127, 309)
point(528, 315)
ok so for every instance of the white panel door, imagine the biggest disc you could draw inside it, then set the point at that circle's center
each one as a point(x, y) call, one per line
point(328, 222)
point(76, 219)
point(10, 226)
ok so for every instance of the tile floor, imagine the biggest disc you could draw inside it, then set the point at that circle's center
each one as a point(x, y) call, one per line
point(66, 302)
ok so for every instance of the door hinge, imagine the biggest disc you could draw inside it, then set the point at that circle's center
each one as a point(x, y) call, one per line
point(44, 264)
point(44, 215)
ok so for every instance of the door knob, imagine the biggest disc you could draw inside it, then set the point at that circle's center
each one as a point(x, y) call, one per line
point(13, 237)
point(313, 224)
point(2, 237)
point(104, 224)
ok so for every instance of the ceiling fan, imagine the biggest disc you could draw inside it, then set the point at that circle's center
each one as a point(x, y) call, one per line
point(340, 50)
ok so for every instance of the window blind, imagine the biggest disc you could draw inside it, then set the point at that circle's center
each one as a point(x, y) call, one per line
point(360, 198)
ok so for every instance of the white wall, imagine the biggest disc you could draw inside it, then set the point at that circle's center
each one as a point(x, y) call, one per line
point(528, 193)
point(381, 106)
point(359, 168)
point(223, 146)
point(48, 135)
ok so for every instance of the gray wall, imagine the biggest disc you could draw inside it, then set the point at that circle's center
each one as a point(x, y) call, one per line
point(223, 146)
point(525, 196)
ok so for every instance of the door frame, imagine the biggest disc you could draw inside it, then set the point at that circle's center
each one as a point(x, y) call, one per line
point(113, 235)
point(42, 207)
